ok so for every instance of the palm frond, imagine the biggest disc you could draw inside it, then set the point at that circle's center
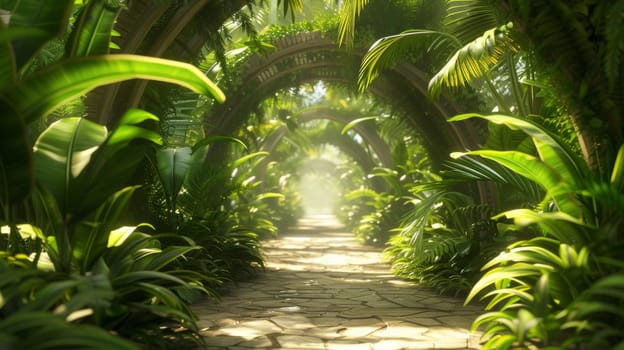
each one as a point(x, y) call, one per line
point(474, 60)
point(389, 50)
point(469, 19)
point(349, 13)
point(294, 6)
point(482, 169)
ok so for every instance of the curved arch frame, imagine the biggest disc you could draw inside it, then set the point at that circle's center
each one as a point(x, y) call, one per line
point(309, 57)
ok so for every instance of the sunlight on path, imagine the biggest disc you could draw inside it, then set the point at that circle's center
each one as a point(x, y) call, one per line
point(323, 290)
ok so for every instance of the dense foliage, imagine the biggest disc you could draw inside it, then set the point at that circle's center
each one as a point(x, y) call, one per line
point(111, 232)
point(77, 270)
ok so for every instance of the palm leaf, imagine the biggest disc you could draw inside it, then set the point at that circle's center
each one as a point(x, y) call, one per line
point(354, 123)
point(474, 60)
point(388, 51)
point(502, 138)
point(554, 154)
point(293, 6)
point(42, 92)
point(551, 150)
point(556, 187)
point(472, 168)
point(516, 272)
point(469, 19)
point(348, 15)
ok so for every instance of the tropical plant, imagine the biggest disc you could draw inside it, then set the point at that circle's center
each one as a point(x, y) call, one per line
point(153, 288)
point(78, 205)
point(27, 95)
point(538, 286)
point(76, 191)
point(37, 308)
point(217, 206)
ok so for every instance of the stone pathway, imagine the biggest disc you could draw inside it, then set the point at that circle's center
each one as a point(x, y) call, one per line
point(323, 290)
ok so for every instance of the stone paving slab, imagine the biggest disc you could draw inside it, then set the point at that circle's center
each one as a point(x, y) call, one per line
point(323, 290)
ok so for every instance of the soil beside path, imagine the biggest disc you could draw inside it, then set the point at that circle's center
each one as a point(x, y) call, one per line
point(324, 290)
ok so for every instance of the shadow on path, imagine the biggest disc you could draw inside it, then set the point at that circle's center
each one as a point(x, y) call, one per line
point(323, 290)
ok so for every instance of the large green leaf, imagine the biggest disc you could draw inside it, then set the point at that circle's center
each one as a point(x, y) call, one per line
point(556, 187)
point(559, 225)
point(92, 32)
point(133, 125)
point(553, 152)
point(62, 152)
point(89, 239)
point(172, 165)
point(49, 16)
point(16, 176)
point(115, 162)
point(42, 92)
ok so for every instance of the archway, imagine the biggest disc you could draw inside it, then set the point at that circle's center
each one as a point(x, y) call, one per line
point(167, 30)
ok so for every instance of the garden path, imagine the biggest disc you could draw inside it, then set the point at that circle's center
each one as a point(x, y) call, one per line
point(323, 290)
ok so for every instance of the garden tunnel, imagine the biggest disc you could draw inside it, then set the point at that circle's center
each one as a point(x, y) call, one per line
point(110, 229)
point(158, 30)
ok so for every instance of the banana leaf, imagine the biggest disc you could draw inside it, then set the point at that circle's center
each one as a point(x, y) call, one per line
point(40, 93)
point(62, 152)
point(115, 162)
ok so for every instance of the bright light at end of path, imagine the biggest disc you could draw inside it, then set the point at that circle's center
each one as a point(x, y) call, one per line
point(318, 184)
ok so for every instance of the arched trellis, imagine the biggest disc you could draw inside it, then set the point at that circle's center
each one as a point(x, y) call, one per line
point(311, 56)
point(156, 28)
point(365, 130)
